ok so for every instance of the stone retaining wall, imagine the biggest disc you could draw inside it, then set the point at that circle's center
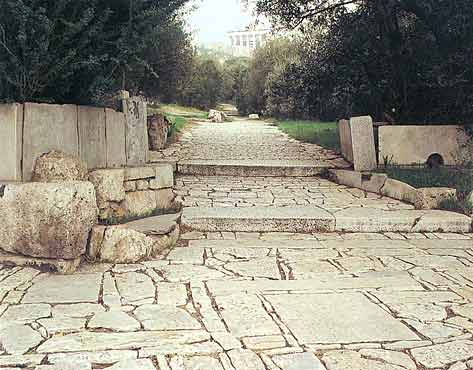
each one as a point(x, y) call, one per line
point(134, 192)
point(101, 137)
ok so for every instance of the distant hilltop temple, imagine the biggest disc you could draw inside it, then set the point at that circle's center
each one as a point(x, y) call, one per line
point(244, 42)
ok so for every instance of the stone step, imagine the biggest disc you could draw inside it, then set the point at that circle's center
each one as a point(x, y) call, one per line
point(268, 168)
point(304, 219)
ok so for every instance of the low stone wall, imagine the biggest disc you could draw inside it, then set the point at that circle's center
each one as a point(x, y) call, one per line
point(134, 192)
point(102, 138)
point(409, 145)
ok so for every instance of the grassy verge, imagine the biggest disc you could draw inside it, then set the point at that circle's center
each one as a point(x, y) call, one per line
point(324, 134)
point(441, 177)
point(179, 117)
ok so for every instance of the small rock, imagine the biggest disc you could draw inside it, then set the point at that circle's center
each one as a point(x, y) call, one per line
point(57, 166)
point(108, 185)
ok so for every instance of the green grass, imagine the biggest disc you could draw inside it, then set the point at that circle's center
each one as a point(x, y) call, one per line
point(441, 177)
point(324, 134)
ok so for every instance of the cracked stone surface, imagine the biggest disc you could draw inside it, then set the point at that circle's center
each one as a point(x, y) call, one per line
point(386, 301)
point(252, 300)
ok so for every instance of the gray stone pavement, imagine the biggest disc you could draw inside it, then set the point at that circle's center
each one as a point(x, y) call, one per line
point(243, 301)
point(226, 300)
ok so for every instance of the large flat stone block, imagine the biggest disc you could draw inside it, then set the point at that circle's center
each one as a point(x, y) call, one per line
point(244, 168)
point(259, 219)
point(345, 139)
point(115, 130)
point(47, 220)
point(407, 145)
point(48, 127)
point(362, 136)
point(338, 318)
point(136, 131)
point(92, 137)
point(11, 141)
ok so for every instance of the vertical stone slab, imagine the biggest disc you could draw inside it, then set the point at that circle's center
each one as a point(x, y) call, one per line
point(115, 132)
point(11, 140)
point(92, 139)
point(136, 131)
point(362, 136)
point(345, 139)
point(48, 127)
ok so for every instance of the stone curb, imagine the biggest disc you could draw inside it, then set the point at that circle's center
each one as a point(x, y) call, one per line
point(379, 183)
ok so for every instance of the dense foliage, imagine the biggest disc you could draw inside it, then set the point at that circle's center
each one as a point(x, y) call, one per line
point(407, 60)
point(82, 51)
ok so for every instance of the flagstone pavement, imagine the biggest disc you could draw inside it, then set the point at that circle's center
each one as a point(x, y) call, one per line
point(253, 301)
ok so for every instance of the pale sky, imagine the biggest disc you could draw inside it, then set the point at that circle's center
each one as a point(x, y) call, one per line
point(214, 18)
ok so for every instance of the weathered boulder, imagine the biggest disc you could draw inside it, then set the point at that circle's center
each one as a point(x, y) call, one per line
point(56, 166)
point(48, 220)
point(123, 245)
point(431, 198)
point(108, 185)
point(254, 116)
point(158, 130)
point(217, 116)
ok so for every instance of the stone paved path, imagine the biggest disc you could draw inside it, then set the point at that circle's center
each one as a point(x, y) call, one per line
point(254, 301)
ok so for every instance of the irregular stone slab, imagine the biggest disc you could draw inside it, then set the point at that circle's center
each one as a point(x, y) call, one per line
point(161, 317)
point(245, 316)
point(388, 280)
point(134, 286)
point(90, 341)
point(62, 324)
point(362, 139)
point(75, 366)
point(196, 348)
point(434, 330)
point(441, 355)
point(92, 136)
point(391, 357)
point(59, 266)
point(172, 294)
point(311, 269)
point(378, 220)
point(262, 267)
point(342, 360)
point(11, 134)
point(21, 360)
point(113, 320)
point(47, 220)
point(157, 225)
point(337, 318)
point(298, 361)
point(200, 363)
point(64, 289)
point(259, 219)
point(18, 339)
point(250, 168)
point(116, 146)
point(56, 125)
point(143, 364)
point(263, 343)
point(186, 273)
point(25, 313)
point(187, 255)
point(255, 243)
point(243, 359)
point(78, 310)
point(100, 358)
point(465, 311)
point(136, 131)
